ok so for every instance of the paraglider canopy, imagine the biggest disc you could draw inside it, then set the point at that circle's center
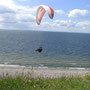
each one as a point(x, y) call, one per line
point(41, 11)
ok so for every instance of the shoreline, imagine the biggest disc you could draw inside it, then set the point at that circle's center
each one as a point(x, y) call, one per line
point(42, 72)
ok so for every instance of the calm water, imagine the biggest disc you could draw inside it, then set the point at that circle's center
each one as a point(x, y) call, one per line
point(59, 49)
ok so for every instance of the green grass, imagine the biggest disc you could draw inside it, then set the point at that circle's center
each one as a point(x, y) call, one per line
point(63, 83)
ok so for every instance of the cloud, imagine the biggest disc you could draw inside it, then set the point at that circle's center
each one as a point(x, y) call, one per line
point(16, 15)
point(60, 12)
point(71, 26)
point(65, 23)
point(5, 9)
point(1, 18)
point(25, 17)
point(83, 25)
point(8, 3)
point(77, 13)
point(88, 5)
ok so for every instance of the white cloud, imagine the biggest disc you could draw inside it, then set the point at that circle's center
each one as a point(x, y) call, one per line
point(1, 18)
point(71, 26)
point(60, 12)
point(5, 9)
point(77, 13)
point(8, 3)
point(65, 23)
point(16, 15)
point(25, 17)
point(83, 25)
point(88, 5)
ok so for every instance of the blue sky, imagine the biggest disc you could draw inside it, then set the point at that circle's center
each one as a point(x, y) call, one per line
point(64, 4)
point(70, 15)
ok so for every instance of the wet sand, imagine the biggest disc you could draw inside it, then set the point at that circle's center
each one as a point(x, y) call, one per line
point(42, 72)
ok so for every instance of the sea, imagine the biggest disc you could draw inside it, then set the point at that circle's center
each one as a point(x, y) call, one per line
point(60, 49)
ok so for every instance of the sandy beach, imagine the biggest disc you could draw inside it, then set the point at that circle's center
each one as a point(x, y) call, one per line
point(43, 72)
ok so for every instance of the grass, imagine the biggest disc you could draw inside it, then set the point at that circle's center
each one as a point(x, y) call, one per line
point(63, 83)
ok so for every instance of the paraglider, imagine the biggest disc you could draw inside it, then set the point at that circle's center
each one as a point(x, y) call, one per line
point(39, 15)
point(41, 11)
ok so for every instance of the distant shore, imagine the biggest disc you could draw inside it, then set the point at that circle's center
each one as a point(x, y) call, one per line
point(43, 72)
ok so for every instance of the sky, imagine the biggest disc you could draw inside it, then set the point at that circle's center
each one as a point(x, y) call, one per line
point(69, 15)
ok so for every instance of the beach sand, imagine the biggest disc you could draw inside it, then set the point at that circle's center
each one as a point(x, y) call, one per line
point(42, 72)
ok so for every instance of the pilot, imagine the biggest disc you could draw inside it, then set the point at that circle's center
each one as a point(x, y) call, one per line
point(39, 49)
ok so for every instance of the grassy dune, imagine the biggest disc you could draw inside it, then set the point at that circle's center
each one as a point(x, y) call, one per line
point(62, 83)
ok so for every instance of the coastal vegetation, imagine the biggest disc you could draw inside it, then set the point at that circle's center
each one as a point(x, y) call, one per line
point(61, 83)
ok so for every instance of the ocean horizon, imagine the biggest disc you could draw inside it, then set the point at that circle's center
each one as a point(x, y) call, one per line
point(60, 49)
